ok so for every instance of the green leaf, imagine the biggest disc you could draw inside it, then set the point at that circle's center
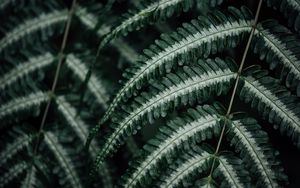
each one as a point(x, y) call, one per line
point(274, 44)
point(272, 101)
point(202, 37)
point(191, 84)
point(252, 143)
point(65, 162)
point(196, 125)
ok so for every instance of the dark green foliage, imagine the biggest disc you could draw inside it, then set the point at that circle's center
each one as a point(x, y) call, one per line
point(195, 108)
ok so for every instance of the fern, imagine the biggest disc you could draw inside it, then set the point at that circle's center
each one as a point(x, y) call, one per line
point(273, 101)
point(13, 173)
point(13, 148)
point(196, 39)
point(158, 10)
point(231, 168)
point(254, 147)
point(191, 164)
point(220, 93)
point(176, 90)
point(276, 38)
point(31, 26)
point(23, 69)
point(94, 85)
point(30, 103)
point(290, 9)
point(65, 162)
point(181, 130)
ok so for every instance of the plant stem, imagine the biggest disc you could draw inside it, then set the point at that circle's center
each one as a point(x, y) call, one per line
point(58, 69)
point(237, 81)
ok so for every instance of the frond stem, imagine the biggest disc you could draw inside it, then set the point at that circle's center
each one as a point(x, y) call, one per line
point(237, 81)
point(54, 84)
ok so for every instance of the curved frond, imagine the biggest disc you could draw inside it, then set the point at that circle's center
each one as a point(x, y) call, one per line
point(278, 45)
point(11, 149)
point(87, 18)
point(25, 68)
point(69, 113)
point(41, 22)
point(190, 164)
point(273, 101)
point(252, 143)
point(81, 130)
point(196, 125)
point(31, 180)
point(31, 103)
point(64, 161)
point(149, 14)
point(233, 172)
point(94, 84)
point(200, 38)
point(290, 9)
point(194, 83)
point(13, 173)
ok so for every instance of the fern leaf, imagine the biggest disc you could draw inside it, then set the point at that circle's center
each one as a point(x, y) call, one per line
point(94, 85)
point(41, 22)
point(252, 143)
point(31, 180)
point(211, 77)
point(69, 113)
point(81, 130)
point(273, 101)
point(231, 168)
point(87, 18)
point(196, 125)
point(13, 173)
point(158, 10)
point(90, 21)
point(290, 9)
point(202, 37)
point(23, 69)
point(31, 102)
point(11, 149)
point(273, 44)
point(190, 165)
point(62, 157)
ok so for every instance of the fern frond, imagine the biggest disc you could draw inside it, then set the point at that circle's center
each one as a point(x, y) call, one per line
point(273, 101)
point(69, 113)
point(31, 180)
point(290, 9)
point(11, 149)
point(274, 44)
point(64, 161)
point(40, 23)
point(252, 143)
point(158, 10)
point(190, 164)
point(13, 173)
point(31, 103)
point(81, 130)
point(233, 172)
point(88, 19)
point(200, 38)
point(196, 83)
point(94, 84)
point(25, 68)
point(196, 125)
